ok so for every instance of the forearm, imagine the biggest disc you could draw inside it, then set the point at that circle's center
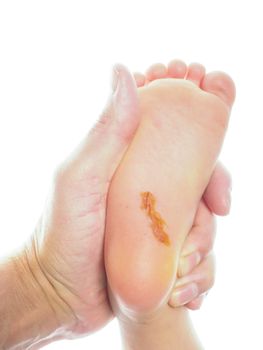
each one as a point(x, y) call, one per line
point(172, 330)
point(28, 305)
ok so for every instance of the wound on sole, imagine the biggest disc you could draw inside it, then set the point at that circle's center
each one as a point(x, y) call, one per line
point(148, 204)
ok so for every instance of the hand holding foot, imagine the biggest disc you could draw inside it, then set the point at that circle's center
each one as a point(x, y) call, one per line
point(61, 271)
point(58, 281)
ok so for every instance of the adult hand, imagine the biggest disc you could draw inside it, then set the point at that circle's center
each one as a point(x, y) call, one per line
point(62, 266)
point(196, 273)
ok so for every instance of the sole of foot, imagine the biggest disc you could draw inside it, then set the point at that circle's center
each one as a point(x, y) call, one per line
point(157, 187)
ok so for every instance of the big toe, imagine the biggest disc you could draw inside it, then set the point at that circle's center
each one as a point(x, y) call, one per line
point(221, 85)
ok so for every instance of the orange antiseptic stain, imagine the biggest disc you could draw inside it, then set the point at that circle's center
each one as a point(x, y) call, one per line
point(148, 204)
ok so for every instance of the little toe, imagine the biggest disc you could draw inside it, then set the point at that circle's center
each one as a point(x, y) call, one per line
point(221, 85)
point(156, 71)
point(195, 73)
point(177, 69)
point(139, 78)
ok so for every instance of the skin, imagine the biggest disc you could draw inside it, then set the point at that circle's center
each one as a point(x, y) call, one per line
point(140, 269)
point(216, 199)
point(55, 288)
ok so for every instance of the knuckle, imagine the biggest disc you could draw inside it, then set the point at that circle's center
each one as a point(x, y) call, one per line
point(206, 273)
point(208, 236)
point(210, 271)
point(212, 281)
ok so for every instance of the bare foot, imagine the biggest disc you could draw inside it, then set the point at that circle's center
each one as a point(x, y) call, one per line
point(155, 192)
point(197, 258)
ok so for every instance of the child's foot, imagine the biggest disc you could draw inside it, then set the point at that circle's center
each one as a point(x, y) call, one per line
point(156, 190)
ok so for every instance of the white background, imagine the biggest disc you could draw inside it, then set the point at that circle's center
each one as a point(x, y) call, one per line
point(55, 63)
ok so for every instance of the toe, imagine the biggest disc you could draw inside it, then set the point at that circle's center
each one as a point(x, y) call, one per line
point(156, 71)
point(195, 73)
point(139, 78)
point(177, 69)
point(221, 85)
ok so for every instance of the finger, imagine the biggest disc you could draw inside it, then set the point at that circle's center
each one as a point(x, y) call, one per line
point(199, 241)
point(184, 295)
point(197, 283)
point(188, 263)
point(196, 303)
point(118, 122)
point(100, 152)
point(218, 192)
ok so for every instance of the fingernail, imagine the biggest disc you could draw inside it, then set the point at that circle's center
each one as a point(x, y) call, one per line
point(184, 295)
point(115, 78)
point(187, 263)
point(188, 249)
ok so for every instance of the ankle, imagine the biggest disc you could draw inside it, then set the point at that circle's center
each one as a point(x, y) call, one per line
point(169, 329)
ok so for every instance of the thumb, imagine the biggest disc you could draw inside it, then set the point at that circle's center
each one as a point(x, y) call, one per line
point(105, 145)
point(218, 192)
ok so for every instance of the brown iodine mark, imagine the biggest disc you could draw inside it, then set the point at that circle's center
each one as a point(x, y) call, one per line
point(148, 204)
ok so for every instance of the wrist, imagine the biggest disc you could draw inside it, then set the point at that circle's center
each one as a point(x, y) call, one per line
point(35, 314)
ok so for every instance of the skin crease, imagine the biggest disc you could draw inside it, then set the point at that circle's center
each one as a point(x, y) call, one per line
point(64, 258)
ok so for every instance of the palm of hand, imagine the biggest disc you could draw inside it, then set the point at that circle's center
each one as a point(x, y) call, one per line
point(70, 248)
